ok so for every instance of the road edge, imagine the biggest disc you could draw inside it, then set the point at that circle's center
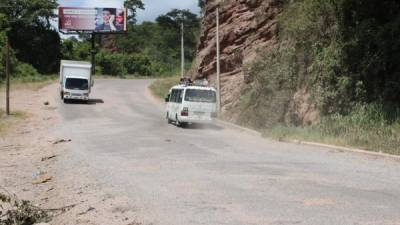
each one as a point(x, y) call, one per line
point(343, 148)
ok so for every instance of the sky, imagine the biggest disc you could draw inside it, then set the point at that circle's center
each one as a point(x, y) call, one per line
point(153, 9)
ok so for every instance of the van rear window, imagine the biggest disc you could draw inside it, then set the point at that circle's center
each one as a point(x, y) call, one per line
point(195, 95)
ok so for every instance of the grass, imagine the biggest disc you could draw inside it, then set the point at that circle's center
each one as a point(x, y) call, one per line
point(160, 88)
point(372, 140)
point(366, 128)
point(31, 82)
point(7, 122)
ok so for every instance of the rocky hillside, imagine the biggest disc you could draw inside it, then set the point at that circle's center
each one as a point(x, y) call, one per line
point(245, 26)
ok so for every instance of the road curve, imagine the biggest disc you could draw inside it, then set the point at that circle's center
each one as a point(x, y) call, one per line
point(217, 175)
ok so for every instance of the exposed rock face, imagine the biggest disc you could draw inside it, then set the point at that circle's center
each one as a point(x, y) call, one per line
point(245, 26)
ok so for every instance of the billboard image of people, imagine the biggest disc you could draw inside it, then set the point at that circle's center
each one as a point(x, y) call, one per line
point(92, 19)
point(110, 19)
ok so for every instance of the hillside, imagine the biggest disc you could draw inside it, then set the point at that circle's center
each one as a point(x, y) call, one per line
point(328, 66)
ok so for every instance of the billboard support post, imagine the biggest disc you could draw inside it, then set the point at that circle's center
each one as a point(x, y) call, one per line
point(93, 52)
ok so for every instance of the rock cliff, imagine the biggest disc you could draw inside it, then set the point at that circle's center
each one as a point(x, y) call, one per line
point(245, 26)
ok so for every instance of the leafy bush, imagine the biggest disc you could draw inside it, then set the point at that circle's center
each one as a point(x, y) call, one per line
point(274, 76)
point(20, 212)
point(111, 63)
point(138, 64)
point(25, 70)
point(160, 88)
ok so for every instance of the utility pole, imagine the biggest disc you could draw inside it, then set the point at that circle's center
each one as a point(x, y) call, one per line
point(182, 51)
point(218, 67)
point(93, 52)
point(7, 76)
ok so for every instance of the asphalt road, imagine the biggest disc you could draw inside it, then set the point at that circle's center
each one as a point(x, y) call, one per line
point(218, 175)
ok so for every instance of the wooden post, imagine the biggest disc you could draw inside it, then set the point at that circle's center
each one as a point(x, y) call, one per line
point(7, 76)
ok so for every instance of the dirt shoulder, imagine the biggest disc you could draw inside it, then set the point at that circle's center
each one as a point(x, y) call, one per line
point(32, 159)
point(27, 153)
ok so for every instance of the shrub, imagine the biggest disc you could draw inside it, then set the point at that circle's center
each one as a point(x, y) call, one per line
point(265, 102)
point(25, 70)
point(111, 63)
point(138, 64)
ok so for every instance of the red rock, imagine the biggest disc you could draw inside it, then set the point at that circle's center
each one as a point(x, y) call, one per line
point(245, 26)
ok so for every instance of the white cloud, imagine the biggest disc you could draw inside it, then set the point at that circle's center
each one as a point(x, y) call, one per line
point(92, 3)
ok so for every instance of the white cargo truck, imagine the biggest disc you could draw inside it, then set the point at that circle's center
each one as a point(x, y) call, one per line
point(75, 80)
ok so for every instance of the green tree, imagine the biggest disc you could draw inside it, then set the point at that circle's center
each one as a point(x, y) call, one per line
point(156, 45)
point(27, 25)
point(370, 31)
point(32, 44)
point(202, 5)
point(133, 6)
point(170, 24)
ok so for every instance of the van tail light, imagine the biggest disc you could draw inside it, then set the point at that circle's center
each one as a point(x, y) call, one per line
point(185, 112)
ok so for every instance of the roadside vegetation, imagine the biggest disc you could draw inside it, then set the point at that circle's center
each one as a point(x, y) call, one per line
point(160, 87)
point(366, 127)
point(20, 212)
point(344, 55)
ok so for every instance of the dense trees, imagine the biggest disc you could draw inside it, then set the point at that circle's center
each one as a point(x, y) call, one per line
point(36, 45)
point(170, 23)
point(370, 32)
point(27, 25)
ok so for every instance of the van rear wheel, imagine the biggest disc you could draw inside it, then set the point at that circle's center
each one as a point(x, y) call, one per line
point(169, 121)
point(180, 124)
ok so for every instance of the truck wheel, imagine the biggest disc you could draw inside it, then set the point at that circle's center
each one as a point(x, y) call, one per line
point(65, 101)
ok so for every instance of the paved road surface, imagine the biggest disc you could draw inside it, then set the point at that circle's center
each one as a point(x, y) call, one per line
point(217, 175)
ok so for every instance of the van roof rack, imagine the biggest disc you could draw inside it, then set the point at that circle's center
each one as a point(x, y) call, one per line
point(196, 83)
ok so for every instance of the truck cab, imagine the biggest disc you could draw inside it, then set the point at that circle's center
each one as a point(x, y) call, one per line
point(75, 80)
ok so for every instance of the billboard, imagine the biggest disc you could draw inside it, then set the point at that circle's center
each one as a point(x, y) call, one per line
point(101, 20)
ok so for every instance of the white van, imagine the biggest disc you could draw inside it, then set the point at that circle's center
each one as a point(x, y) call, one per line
point(190, 104)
